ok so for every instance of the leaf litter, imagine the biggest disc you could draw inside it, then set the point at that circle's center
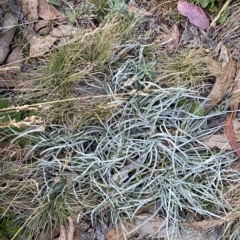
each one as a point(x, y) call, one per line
point(144, 224)
point(224, 79)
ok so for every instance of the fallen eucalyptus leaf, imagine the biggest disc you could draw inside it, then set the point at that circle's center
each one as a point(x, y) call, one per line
point(194, 13)
point(236, 92)
point(214, 67)
point(205, 224)
point(221, 86)
point(221, 141)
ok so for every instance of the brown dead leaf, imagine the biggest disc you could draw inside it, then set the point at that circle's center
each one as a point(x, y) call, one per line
point(221, 86)
point(48, 11)
point(15, 58)
point(63, 31)
point(214, 67)
point(224, 56)
point(142, 12)
point(236, 93)
point(205, 224)
point(146, 209)
point(175, 34)
point(41, 24)
point(221, 141)
point(6, 36)
point(41, 45)
point(144, 224)
point(30, 9)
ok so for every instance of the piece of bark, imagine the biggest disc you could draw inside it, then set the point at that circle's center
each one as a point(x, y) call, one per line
point(63, 233)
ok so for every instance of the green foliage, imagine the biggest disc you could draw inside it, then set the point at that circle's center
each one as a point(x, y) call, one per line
point(8, 227)
point(191, 107)
point(71, 16)
point(224, 16)
point(54, 2)
point(214, 6)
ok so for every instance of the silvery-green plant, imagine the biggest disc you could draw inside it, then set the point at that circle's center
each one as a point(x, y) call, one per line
point(148, 151)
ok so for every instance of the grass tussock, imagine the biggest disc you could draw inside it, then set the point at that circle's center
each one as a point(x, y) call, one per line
point(73, 77)
point(94, 171)
point(187, 68)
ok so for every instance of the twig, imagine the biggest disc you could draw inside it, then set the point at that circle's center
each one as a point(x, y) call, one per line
point(63, 235)
point(71, 229)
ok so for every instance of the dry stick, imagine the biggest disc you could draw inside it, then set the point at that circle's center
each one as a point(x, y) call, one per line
point(226, 4)
point(40, 105)
point(71, 229)
point(63, 234)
